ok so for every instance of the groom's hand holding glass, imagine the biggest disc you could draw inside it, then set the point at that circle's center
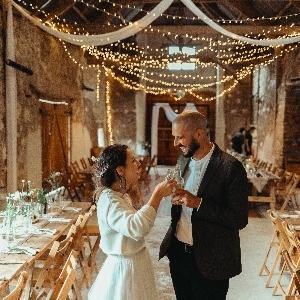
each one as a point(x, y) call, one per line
point(183, 197)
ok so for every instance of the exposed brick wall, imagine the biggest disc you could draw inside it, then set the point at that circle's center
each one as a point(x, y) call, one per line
point(55, 77)
point(123, 114)
point(276, 109)
point(237, 109)
point(291, 150)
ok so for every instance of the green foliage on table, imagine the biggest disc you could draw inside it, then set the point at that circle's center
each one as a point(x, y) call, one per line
point(40, 196)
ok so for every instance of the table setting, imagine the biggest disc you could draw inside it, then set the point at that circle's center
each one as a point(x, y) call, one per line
point(33, 219)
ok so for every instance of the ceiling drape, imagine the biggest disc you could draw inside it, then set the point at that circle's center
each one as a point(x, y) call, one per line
point(134, 28)
point(105, 38)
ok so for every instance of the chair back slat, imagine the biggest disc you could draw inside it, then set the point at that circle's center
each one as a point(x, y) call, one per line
point(17, 292)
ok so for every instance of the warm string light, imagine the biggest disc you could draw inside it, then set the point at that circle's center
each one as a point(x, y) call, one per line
point(157, 90)
point(224, 21)
point(243, 56)
point(146, 12)
point(108, 110)
point(98, 84)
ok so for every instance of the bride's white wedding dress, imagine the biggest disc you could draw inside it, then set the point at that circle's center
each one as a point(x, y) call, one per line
point(127, 273)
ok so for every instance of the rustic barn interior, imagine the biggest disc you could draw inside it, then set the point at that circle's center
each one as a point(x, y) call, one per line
point(78, 75)
point(112, 88)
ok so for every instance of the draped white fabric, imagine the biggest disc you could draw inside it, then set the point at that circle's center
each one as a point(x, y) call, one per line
point(115, 36)
point(170, 114)
point(106, 38)
point(192, 7)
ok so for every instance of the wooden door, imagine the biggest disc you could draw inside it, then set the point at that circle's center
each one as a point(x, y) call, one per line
point(167, 153)
point(55, 138)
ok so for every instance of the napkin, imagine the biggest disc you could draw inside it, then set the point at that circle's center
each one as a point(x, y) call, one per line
point(62, 220)
point(20, 249)
point(73, 208)
point(44, 230)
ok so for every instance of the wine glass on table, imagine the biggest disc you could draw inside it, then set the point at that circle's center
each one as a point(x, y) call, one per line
point(50, 201)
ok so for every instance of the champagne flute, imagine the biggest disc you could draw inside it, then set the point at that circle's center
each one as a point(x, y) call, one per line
point(169, 176)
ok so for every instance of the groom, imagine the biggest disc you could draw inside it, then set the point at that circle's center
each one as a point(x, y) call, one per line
point(202, 243)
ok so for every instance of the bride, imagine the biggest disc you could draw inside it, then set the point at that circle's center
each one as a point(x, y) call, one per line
point(127, 272)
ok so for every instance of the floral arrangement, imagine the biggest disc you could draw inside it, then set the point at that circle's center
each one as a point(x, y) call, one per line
point(40, 196)
point(55, 180)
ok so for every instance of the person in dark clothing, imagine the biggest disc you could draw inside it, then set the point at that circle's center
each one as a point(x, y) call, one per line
point(248, 141)
point(202, 242)
point(238, 140)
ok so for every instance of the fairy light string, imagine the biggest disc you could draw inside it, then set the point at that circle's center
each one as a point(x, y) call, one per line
point(143, 63)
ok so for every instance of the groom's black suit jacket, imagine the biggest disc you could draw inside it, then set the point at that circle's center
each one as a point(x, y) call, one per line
point(222, 213)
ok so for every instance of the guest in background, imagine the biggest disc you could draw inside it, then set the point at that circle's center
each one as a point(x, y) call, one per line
point(127, 272)
point(238, 140)
point(203, 243)
point(248, 141)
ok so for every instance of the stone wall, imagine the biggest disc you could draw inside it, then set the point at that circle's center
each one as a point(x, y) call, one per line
point(56, 77)
point(276, 109)
point(237, 109)
point(123, 114)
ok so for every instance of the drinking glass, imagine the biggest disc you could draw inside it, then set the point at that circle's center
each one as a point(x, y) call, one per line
point(50, 201)
point(170, 174)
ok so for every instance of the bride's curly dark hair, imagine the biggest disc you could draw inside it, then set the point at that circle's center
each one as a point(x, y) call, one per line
point(109, 159)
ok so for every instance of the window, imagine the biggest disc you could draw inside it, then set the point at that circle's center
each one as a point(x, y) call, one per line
point(179, 65)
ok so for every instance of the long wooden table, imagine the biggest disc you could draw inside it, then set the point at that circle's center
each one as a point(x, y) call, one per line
point(11, 264)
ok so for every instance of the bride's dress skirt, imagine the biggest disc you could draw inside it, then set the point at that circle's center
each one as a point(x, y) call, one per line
point(125, 277)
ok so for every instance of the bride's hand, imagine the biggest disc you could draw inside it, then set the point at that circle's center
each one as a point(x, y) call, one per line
point(165, 188)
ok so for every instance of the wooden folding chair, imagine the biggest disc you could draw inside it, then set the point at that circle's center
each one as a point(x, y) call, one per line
point(80, 238)
point(283, 182)
point(66, 279)
point(295, 275)
point(18, 290)
point(44, 277)
point(289, 192)
point(274, 244)
point(144, 178)
point(90, 161)
point(83, 163)
point(153, 165)
point(92, 230)
point(283, 244)
point(294, 252)
point(75, 184)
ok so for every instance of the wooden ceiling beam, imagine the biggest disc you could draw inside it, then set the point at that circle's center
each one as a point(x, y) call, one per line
point(81, 15)
point(296, 5)
point(246, 10)
point(56, 8)
point(287, 6)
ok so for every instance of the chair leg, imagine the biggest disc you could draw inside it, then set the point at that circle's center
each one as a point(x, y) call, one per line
point(278, 254)
point(278, 285)
point(264, 265)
